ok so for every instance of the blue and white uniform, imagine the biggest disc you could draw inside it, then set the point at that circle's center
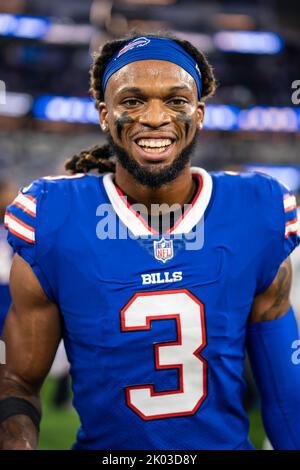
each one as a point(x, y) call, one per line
point(155, 331)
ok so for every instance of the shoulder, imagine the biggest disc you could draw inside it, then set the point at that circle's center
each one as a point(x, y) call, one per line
point(255, 187)
point(251, 180)
point(269, 203)
point(45, 202)
point(80, 181)
point(45, 189)
point(40, 213)
point(269, 213)
point(47, 184)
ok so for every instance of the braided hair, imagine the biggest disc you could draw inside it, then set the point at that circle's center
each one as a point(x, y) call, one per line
point(100, 158)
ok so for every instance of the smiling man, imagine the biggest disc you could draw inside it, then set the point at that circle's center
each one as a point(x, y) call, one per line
point(155, 327)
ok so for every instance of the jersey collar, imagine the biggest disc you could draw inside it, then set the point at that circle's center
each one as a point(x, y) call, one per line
point(137, 224)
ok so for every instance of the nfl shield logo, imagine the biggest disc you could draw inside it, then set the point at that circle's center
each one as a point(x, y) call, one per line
point(163, 250)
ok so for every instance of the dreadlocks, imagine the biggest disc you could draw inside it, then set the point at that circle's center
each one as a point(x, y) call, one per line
point(101, 157)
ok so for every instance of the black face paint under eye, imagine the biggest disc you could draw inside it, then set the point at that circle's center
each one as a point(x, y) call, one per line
point(121, 121)
point(186, 119)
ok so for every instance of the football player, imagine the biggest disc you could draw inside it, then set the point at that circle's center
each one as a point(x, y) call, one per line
point(156, 274)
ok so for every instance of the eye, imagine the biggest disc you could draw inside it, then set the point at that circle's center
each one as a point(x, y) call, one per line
point(131, 103)
point(177, 102)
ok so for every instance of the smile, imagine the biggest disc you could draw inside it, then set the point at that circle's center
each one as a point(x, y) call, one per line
point(154, 148)
point(156, 144)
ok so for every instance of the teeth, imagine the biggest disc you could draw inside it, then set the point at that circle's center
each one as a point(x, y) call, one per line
point(157, 143)
point(154, 149)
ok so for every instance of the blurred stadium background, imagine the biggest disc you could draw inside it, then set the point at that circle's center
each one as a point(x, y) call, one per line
point(253, 121)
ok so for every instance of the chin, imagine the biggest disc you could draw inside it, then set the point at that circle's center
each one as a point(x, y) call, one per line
point(155, 165)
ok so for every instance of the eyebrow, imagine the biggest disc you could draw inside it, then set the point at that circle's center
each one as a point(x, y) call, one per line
point(129, 89)
point(179, 88)
point(139, 91)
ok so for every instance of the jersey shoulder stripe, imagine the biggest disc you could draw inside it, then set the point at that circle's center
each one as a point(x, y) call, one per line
point(290, 213)
point(19, 228)
point(289, 202)
point(21, 215)
point(292, 228)
point(26, 202)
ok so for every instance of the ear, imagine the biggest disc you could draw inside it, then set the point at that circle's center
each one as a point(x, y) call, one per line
point(200, 114)
point(103, 115)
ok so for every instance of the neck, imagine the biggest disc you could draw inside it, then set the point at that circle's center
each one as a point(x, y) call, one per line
point(179, 191)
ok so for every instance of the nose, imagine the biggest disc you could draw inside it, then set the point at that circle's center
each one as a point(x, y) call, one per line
point(155, 115)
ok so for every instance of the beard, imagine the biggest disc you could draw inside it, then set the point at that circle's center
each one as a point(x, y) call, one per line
point(154, 178)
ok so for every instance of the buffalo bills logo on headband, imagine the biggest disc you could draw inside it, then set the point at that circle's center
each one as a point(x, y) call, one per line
point(139, 42)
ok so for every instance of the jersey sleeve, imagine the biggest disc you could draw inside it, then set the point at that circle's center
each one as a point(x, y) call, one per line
point(22, 220)
point(283, 231)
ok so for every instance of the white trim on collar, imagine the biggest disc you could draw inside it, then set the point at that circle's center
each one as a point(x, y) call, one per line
point(137, 225)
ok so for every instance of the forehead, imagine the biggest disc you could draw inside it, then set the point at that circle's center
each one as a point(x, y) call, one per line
point(150, 75)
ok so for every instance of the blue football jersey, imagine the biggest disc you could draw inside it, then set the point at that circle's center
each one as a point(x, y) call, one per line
point(154, 325)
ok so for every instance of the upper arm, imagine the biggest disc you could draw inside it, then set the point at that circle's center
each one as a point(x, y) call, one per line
point(279, 224)
point(275, 301)
point(31, 334)
point(275, 231)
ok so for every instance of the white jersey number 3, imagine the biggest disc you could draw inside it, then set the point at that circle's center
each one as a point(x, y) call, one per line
point(182, 354)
